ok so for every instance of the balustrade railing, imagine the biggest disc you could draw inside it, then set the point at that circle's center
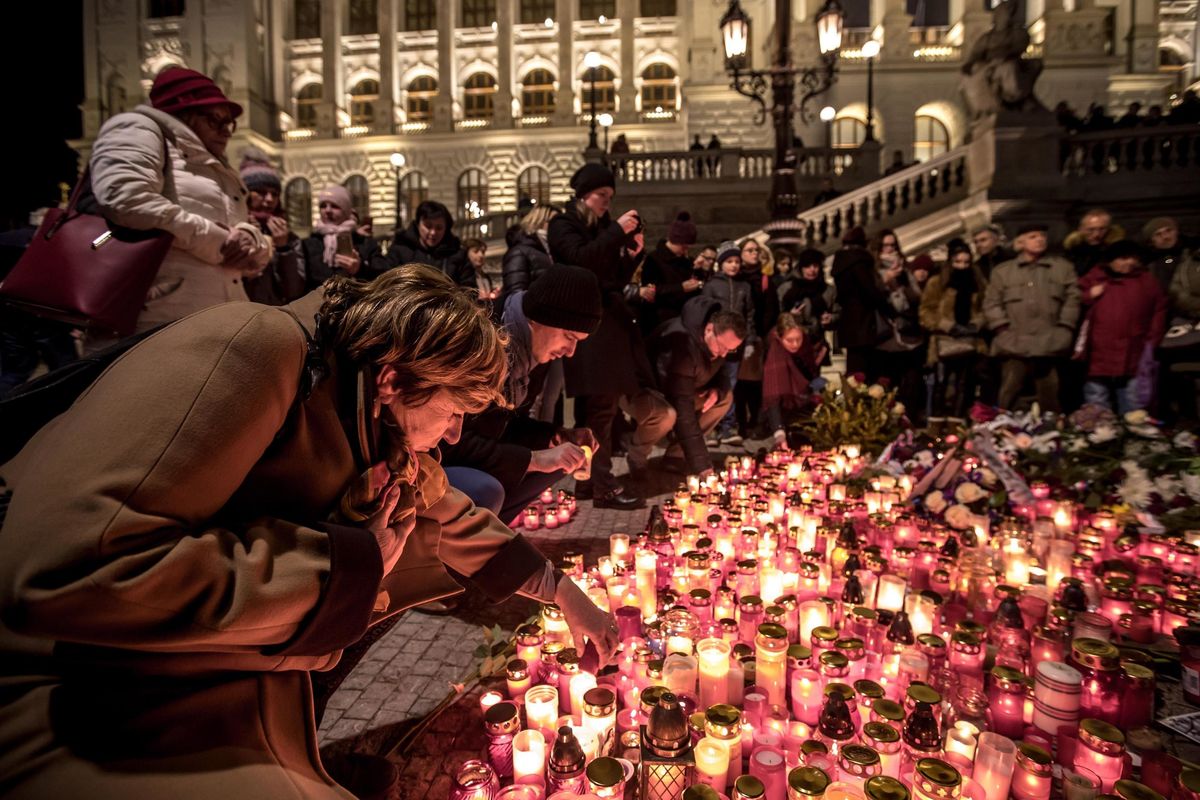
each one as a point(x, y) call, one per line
point(489, 226)
point(690, 165)
point(919, 189)
point(1128, 150)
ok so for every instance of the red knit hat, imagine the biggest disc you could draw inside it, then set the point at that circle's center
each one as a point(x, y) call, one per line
point(178, 89)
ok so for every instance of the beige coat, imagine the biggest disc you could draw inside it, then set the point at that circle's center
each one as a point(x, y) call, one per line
point(937, 314)
point(129, 183)
point(167, 579)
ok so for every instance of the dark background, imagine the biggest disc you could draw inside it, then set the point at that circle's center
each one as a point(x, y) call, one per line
point(41, 61)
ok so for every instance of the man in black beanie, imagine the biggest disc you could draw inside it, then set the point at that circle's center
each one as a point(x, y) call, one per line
point(505, 458)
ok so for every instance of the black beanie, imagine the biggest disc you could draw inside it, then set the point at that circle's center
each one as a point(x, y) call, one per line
point(1124, 249)
point(682, 230)
point(591, 177)
point(564, 297)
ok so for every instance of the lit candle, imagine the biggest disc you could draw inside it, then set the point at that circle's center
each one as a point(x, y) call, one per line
point(712, 763)
point(714, 671)
point(995, 758)
point(533, 518)
point(807, 695)
point(889, 593)
point(962, 742)
point(618, 547)
point(564, 515)
point(1032, 776)
point(768, 766)
point(646, 564)
point(551, 520)
point(770, 657)
point(529, 757)
point(541, 707)
point(812, 614)
point(580, 685)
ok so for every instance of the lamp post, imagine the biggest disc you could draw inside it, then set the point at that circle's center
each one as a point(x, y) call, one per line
point(398, 161)
point(784, 228)
point(606, 121)
point(870, 49)
point(592, 62)
point(828, 113)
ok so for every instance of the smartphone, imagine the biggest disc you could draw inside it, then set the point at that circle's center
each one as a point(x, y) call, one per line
point(345, 244)
point(368, 426)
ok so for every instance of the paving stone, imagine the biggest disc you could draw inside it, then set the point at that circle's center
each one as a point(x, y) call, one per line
point(346, 729)
point(342, 699)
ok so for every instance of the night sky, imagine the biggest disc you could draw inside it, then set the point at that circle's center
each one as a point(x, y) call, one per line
point(42, 56)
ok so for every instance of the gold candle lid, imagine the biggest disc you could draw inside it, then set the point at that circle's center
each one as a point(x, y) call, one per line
point(924, 693)
point(1096, 654)
point(832, 659)
point(810, 746)
point(881, 732)
point(748, 787)
point(700, 791)
point(939, 772)
point(772, 630)
point(825, 634)
point(600, 701)
point(725, 720)
point(799, 652)
point(844, 689)
point(502, 718)
point(811, 781)
point(881, 787)
point(1008, 679)
point(888, 709)
point(1138, 675)
point(860, 755)
point(1132, 790)
point(868, 688)
point(1100, 735)
point(605, 772)
point(931, 641)
point(1034, 758)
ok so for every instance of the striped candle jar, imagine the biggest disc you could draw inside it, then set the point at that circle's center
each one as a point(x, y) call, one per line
point(1057, 691)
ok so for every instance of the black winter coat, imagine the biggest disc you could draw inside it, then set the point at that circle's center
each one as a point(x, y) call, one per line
point(524, 260)
point(862, 297)
point(448, 255)
point(685, 367)
point(613, 359)
point(283, 280)
point(667, 272)
point(316, 271)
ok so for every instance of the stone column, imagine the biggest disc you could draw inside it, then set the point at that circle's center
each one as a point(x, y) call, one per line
point(1143, 37)
point(333, 81)
point(564, 100)
point(503, 117)
point(112, 61)
point(385, 108)
point(627, 97)
point(443, 104)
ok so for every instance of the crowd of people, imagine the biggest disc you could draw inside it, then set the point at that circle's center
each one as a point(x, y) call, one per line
point(1097, 118)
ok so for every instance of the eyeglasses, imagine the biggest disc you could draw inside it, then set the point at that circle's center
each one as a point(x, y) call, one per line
point(220, 122)
point(327, 204)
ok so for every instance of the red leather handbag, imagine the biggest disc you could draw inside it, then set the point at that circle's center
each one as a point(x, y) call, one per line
point(82, 270)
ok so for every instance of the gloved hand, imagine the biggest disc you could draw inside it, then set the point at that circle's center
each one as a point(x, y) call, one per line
point(585, 619)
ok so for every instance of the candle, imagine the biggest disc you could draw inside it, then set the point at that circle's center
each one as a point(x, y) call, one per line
point(889, 592)
point(714, 671)
point(517, 679)
point(551, 520)
point(840, 790)
point(541, 707)
point(1032, 777)
point(1101, 750)
point(529, 757)
point(807, 695)
point(646, 565)
point(812, 614)
point(960, 741)
point(770, 658)
point(600, 716)
point(618, 547)
point(712, 763)
point(995, 759)
point(489, 699)
point(767, 765)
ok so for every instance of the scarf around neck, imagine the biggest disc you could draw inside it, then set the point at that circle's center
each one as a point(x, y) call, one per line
point(330, 231)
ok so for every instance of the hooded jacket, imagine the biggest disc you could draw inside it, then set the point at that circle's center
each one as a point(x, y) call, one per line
point(685, 368)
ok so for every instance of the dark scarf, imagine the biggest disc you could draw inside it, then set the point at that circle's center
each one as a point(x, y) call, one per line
point(962, 281)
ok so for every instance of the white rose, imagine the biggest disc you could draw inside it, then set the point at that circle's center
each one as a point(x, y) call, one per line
point(1136, 417)
point(898, 409)
point(935, 502)
point(876, 391)
point(968, 493)
point(960, 517)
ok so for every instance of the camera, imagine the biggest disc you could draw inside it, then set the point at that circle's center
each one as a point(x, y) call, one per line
point(641, 226)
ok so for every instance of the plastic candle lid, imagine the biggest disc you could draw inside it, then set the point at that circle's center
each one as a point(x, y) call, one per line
point(937, 771)
point(881, 787)
point(881, 732)
point(810, 781)
point(605, 772)
point(748, 787)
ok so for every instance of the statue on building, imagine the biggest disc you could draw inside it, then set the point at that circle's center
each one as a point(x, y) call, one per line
point(996, 76)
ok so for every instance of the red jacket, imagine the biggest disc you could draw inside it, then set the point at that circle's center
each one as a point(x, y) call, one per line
point(1130, 314)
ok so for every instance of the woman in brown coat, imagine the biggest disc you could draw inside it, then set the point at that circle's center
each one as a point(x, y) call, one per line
point(952, 312)
point(227, 507)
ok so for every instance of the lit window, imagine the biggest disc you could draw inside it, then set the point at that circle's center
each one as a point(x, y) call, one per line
point(606, 90)
point(848, 133)
point(658, 88)
point(479, 94)
point(537, 93)
point(307, 101)
point(360, 196)
point(421, 93)
point(932, 139)
point(420, 15)
point(472, 194)
point(535, 12)
point(534, 184)
point(297, 199)
point(362, 102)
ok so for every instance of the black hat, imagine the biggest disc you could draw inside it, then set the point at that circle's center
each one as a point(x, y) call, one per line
point(855, 236)
point(591, 177)
point(1124, 249)
point(564, 297)
point(682, 230)
point(810, 256)
point(1032, 227)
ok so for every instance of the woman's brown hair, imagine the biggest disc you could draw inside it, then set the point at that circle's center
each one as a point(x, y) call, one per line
point(434, 334)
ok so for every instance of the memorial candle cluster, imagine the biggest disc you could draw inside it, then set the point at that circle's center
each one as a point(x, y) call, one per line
point(550, 510)
point(792, 630)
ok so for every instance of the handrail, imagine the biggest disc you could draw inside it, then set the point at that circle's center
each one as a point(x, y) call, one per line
point(924, 184)
point(739, 163)
point(1140, 149)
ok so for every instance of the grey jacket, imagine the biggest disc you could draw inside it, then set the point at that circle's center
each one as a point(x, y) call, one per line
point(1033, 308)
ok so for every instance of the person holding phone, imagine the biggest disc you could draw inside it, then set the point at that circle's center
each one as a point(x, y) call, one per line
point(283, 279)
point(229, 506)
point(336, 247)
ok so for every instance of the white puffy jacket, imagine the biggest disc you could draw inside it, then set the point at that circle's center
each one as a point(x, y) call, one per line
point(128, 181)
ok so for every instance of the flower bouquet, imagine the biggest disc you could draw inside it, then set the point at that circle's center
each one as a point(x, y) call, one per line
point(848, 410)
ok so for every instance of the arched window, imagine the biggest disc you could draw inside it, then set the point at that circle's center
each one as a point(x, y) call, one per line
point(606, 91)
point(307, 101)
point(537, 93)
point(297, 200)
point(360, 196)
point(932, 139)
point(363, 97)
point(658, 8)
point(477, 13)
point(420, 15)
point(479, 94)
point(166, 8)
point(848, 133)
point(413, 191)
point(658, 88)
point(307, 19)
point(472, 194)
point(535, 12)
point(364, 17)
point(534, 184)
point(420, 99)
point(595, 9)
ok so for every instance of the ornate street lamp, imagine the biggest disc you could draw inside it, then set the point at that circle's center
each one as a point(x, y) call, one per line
point(397, 161)
point(784, 227)
point(606, 121)
point(592, 62)
point(870, 49)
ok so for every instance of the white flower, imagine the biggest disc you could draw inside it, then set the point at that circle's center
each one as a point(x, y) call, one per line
point(1135, 490)
point(876, 391)
point(1184, 440)
point(1136, 417)
point(935, 502)
point(1102, 434)
point(1191, 485)
point(960, 517)
point(968, 493)
point(898, 409)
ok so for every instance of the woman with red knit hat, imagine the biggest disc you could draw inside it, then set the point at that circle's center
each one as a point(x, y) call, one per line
point(163, 166)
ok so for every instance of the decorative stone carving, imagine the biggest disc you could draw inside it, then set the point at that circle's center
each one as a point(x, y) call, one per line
point(996, 77)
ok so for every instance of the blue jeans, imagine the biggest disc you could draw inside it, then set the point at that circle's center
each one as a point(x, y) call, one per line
point(1099, 391)
point(487, 492)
